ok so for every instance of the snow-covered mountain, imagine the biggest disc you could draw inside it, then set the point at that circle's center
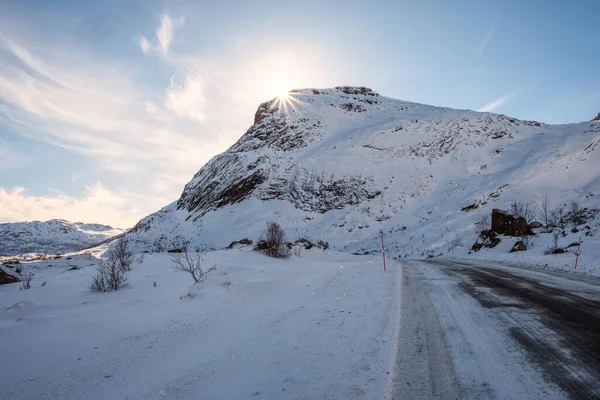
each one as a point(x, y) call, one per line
point(51, 237)
point(342, 164)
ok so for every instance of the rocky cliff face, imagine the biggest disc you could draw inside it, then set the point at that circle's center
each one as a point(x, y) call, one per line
point(343, 163)
point(51, 237)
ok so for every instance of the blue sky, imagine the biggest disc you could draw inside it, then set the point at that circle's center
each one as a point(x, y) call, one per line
point(108, 108)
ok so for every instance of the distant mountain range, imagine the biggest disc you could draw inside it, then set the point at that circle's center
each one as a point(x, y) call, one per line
point(51, 237)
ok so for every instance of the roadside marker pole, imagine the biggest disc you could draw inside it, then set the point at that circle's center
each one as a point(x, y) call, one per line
point(383, 251)
point(577, 255)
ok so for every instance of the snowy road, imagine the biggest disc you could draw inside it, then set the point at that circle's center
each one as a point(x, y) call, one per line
point(494, 332)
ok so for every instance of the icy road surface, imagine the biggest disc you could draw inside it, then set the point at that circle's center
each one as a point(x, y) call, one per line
point(484, 331)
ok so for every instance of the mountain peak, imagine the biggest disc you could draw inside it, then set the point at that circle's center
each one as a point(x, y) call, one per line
point(297, 96)
point(597, 118)
point(344, 162)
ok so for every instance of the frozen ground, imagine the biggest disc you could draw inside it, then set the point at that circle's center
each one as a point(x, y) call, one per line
point(319, 326)
point(324, 325)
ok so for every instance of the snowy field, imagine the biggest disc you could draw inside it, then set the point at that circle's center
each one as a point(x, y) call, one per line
point(318, 326)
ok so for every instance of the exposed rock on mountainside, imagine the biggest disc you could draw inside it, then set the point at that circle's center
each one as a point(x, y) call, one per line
point(597, 118)
point(54, 236)
point(342, 164)
point(506, 224)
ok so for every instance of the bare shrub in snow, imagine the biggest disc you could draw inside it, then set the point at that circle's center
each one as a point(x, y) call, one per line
point(527, 241)
point(557, 218)
point(110, 276)
point(44, 284)
point(454, 243)
point(483, 222)
point(554, 249)
point(190, 262)
point(26, 281)
point(140, 258)
point(555, 237)
point(544, 214)
point(272, 241)
point(121, 252)
point(519, 209)
point(576, 214)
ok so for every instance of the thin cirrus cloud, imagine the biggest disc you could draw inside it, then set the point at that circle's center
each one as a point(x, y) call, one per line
point(164, 35)
point(154, 140)
point(496, 104)
point(96, 110)
point(483, 44)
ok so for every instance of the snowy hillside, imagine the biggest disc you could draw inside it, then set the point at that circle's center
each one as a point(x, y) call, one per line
point(51, 237)
point(342, 164)
point(320, 326)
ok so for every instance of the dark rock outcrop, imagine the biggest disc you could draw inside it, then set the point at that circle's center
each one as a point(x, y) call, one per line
point(486, 239)
point(5, 277)
point(597, 118)
point(243, 242)
point(519, 246)
point(505, 224)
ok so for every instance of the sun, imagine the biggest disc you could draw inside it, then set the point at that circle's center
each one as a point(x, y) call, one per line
point(283, 96)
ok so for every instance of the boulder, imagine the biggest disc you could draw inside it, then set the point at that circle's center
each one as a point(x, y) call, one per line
point(486, 239)
point(505, 224)
point(7, 277)
point(519, 246)
point(534, 225)
point(244, 242)
point(305, 242)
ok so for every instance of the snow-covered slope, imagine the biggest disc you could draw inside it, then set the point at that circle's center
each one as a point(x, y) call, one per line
point(342, 164)
point(51, 237)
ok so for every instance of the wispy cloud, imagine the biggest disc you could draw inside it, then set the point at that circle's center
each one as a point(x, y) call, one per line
point(187, 99)
point(483, 44)
point(154, 140)
point(164, 35)
point(496, 104)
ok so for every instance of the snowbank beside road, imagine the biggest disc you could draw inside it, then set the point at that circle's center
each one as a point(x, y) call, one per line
point(316, 326)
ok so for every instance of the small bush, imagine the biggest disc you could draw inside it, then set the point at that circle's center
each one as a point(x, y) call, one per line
point(557, 218)
point(519, 209)
point(121, 252)
point(544, 213)
point(454, 243)
point(190, 262)
point(483, 222)
point(44, 283)
point(26, 281)
point(110, 277)
point(576, 214)
point(527, 241)
point(272, 241)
